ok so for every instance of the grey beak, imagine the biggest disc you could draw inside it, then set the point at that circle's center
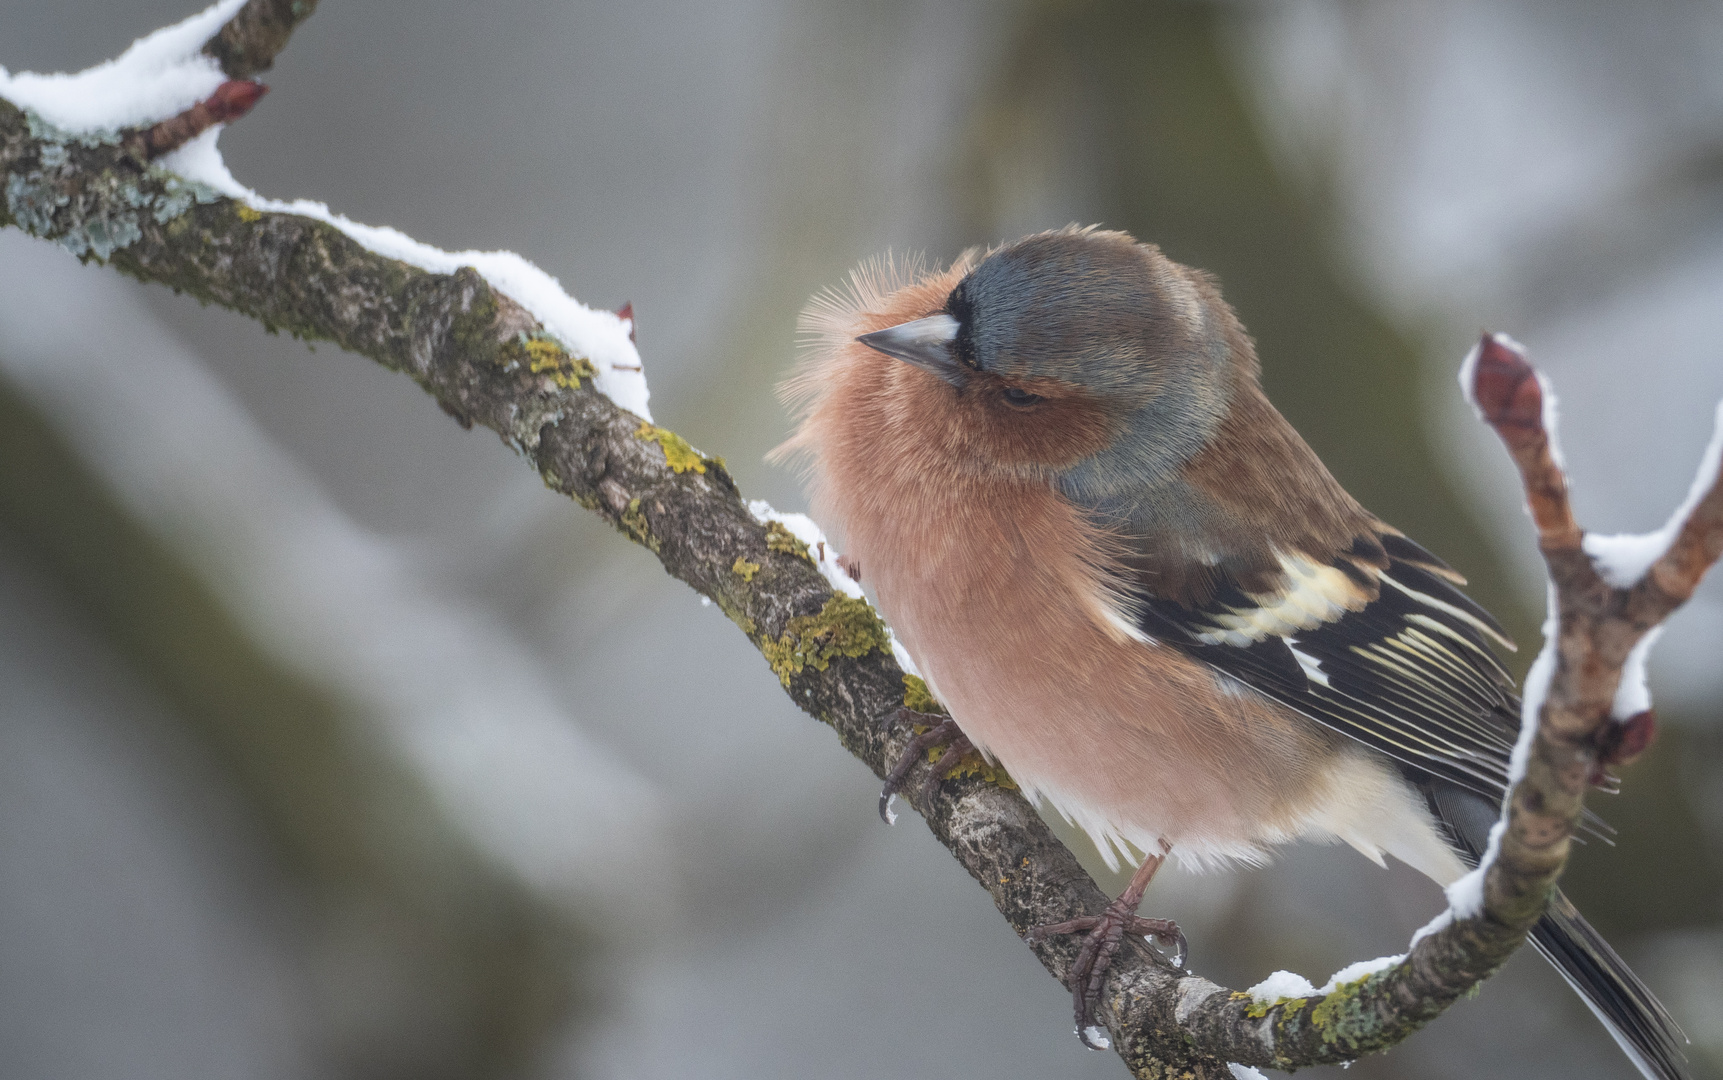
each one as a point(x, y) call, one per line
point(926, 343)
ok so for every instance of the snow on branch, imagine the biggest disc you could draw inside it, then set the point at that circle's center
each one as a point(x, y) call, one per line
point(1585, 705)
point(497, 342)
point(167, 98)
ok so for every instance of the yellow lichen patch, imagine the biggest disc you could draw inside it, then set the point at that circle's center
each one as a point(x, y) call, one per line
point(543, 355)
point(1261, 1008)
point(677, 453)
point(918, 697)
point(844, 627)
point(781, 539)
point(246, 213)
point(546, 357)
point(973, 764)
point(634, 522)
point(744, 569)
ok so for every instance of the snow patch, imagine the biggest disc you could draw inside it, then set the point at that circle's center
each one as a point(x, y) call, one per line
point(1443, 920)
point(1469, 378)
point(1284, 985)
point(161, 75)
point(1466, 894)
point(1280, 986)
point(1551, 416)
point(1353, 972)
point(1623, 559)
point(599, 336)
point(1633, 696)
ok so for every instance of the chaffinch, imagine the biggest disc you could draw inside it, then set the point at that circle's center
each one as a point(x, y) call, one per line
point(1135, 587)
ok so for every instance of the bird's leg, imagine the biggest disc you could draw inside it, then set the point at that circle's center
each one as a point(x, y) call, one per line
point(1106, 933)
point(943, 731)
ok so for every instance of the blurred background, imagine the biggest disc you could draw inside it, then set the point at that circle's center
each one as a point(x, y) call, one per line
point(332, 745)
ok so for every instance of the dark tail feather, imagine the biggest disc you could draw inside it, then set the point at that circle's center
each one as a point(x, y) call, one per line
point(1639, 1022)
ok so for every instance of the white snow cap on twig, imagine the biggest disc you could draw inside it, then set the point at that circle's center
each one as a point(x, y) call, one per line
point(1466, 894)
point(1280, 986)
point(161, 75)
point(1633, 695)
point(825, 557)
point(1353, 972)
point(1623, 559)
point(1283, 985)
point(164, 74)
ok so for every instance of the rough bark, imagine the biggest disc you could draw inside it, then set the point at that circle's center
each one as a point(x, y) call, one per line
point(246, 46)
point(487, 361)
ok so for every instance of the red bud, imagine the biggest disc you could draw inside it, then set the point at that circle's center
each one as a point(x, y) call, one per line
point(233, 99)
point(1504, 386)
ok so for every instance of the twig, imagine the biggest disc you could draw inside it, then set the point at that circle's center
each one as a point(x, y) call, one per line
point(246, 46)
point(231, 100)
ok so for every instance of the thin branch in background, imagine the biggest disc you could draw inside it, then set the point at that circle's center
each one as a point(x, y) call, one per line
point(246, 45)
point(504, 362)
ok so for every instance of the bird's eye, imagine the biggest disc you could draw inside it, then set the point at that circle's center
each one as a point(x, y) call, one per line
point(1020, 397)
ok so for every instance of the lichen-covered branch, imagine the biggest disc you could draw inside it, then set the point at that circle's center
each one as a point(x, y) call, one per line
point(486, 360)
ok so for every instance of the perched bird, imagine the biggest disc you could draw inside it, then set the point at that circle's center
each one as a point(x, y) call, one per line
point(1136, 588)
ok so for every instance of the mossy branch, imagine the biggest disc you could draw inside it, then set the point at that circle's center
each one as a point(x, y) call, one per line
point(487, 361)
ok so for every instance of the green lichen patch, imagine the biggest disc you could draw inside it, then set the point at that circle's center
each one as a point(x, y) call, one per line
point(1259, 1009)
point(845, 626)
point(49, 133)
point(92, 210)
point(635, 525)
point(744, 569)
point(781, 539)
point(680, 456)
point(918, 698)
point(1342, 1017)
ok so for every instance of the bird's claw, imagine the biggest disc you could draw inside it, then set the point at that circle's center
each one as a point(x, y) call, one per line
point(942, 732)
point(1105, 933)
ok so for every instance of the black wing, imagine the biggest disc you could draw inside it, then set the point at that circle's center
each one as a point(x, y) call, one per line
point(1392, 655)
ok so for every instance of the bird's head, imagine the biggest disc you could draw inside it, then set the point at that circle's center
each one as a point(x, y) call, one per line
point(1080, 354)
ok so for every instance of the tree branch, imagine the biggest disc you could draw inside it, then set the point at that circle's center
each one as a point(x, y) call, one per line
point(487, 360)
point(246, 46)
